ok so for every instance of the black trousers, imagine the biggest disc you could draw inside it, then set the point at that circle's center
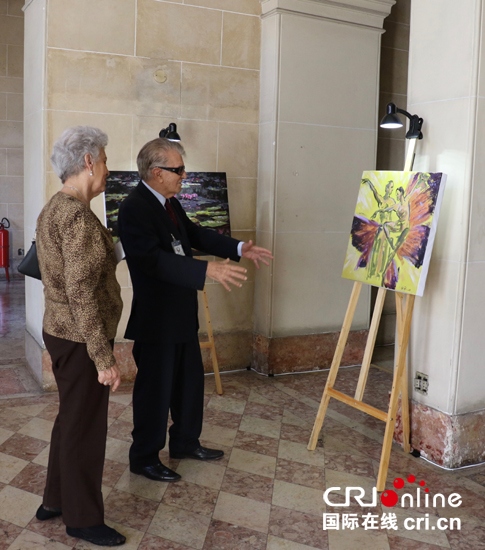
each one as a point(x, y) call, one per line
point(78, 441)
point(169, 377)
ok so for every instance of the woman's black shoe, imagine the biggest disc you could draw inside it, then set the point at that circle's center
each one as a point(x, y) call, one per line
point(102, 535)
point(44, 513)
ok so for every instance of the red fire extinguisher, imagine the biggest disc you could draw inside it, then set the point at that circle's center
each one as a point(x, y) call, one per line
point(4, 246)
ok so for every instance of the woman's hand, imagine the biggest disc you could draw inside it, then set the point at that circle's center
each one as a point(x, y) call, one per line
point(110, 377)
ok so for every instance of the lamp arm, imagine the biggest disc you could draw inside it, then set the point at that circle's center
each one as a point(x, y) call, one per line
point(403, 112)
point(415, 125)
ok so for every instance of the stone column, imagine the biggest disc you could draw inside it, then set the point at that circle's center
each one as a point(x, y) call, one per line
point(318, 132)
point(34, 169)
point(446, 88)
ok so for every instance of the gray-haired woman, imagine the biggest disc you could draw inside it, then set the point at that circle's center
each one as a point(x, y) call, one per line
point(82, 310)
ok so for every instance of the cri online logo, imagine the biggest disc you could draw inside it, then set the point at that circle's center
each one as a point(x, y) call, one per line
point(390, 498)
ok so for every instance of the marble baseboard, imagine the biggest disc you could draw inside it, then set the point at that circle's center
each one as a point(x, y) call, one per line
point(304, 353)
point(40, 365)
point(125, 361)
point(48, 382)
point(233, 352)
point(448, 440)
point(33, 353)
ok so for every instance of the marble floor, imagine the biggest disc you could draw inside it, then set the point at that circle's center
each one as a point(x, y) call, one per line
point(267, 491)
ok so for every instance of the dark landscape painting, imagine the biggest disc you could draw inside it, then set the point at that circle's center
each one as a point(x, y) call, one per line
point(118, 187)
point(203, 197)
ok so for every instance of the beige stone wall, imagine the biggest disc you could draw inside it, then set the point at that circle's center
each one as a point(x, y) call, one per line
point(11, 124)
point(101, 61)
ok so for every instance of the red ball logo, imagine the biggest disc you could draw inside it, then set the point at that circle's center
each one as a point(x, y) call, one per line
point(389, 498)
point(398, 483)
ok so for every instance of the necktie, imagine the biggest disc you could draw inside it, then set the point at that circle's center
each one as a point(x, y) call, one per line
point(171, 212)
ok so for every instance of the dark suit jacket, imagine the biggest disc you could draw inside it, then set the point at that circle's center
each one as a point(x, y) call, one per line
point(165, 284)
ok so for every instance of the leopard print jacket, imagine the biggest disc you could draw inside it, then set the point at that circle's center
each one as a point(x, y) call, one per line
point(78, 264)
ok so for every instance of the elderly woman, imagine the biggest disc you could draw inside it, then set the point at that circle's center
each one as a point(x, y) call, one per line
point(82, 310)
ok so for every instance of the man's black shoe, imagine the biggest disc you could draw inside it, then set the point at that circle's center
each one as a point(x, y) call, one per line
point(158, 472)
point(201, 453)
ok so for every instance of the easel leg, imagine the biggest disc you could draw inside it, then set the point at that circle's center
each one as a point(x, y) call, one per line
point(396, 388)
point(369, 347)
point(406, 432)
point(211, 344)
point(404, 383)
point(332, 375)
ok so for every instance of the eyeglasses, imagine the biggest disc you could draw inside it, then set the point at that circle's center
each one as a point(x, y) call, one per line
point(179, 170)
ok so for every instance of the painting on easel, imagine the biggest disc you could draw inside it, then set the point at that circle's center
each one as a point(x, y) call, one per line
point(393, 229)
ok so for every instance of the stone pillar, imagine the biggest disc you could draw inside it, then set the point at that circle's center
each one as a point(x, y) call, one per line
point(318, 132)
point(446, 88)
point(34, 170)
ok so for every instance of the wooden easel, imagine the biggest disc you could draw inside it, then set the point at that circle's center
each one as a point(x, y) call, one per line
point(404, 313)
point(210, 343)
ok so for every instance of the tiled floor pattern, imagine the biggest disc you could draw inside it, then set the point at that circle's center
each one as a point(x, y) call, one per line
point(266, 493)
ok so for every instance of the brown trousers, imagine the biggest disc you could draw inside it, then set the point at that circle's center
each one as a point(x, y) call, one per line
point(78, 441)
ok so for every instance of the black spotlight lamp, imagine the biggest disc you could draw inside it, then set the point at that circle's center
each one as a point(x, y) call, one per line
point(170, 132)
point(391, 120)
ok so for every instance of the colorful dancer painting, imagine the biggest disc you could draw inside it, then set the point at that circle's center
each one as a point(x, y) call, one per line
point(381, 245)
point(393, 229)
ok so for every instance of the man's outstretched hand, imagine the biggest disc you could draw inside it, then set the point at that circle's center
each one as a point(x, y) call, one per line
point(256, 253)
point(226, 273)
point(230, 274)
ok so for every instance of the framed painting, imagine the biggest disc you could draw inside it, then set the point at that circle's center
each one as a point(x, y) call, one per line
point(393, 229)
point(203, 197)
point(118, 187)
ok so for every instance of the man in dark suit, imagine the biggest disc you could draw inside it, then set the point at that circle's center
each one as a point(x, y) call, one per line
point(158, 238)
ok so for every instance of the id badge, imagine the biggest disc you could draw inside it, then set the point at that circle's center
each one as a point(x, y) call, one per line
point(177, 247)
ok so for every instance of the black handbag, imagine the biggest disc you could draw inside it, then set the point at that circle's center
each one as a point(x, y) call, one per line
point(30, 264)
